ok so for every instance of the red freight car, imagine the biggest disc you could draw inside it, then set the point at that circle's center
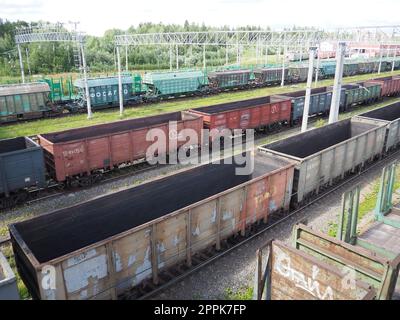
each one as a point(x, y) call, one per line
point(78, 156)
point(265, 113)
point(390, 85)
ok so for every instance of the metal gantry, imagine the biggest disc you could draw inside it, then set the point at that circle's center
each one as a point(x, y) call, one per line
point(278, 40)
point(56, 33)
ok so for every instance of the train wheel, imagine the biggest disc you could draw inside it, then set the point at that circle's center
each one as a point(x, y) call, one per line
point(85, 182)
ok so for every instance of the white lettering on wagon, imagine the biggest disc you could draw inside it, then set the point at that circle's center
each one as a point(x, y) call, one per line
point(77, 277)
point(81, 257)
point(73, 151)
point(311, 285)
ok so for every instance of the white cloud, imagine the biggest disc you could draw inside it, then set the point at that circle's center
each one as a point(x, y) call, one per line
point(100, 15)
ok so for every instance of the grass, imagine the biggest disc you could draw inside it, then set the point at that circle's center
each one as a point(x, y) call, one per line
point(367, 205)
point(244, 293)
point(80, 120)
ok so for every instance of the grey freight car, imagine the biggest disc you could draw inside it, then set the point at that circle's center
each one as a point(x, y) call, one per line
point(325, 154)
point(103, 247)
point(21, 167)
point(24, 101)
point(388, 116)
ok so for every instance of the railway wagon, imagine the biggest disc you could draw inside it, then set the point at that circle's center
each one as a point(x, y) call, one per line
point(78, 156)
point(24, 101)
point(388, 116)
point(291, 274)
point(350, 69)
point(360, 93)
point(118, 241)
point(320, 102)
point(269, 76)
point(326, 69)
point(174, 83)
point(104, 91)
point(298, 73)
point(265, 112)
point(229, 79)
point(8, 282)
point(390, 85)
point(324, 155)
point(21, 167)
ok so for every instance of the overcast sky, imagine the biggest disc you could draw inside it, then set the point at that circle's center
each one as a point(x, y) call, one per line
point(96, 16)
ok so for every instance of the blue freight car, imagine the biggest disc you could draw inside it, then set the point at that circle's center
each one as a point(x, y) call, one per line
point(320, 102)
point(21, 168)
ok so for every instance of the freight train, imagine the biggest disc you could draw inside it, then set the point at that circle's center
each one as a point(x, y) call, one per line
point(130, 240)
point(37, 100)
point(79, 157)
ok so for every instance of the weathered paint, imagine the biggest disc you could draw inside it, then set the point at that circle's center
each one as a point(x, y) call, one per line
point(368, 266)
point(320, 168)
point(142, 252)
point(82, 151)
point(291, 274)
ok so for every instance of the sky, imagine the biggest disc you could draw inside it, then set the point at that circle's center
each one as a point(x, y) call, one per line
point(97, 16)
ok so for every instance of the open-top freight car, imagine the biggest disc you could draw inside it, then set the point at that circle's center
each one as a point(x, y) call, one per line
point(359, 93)
point(324, 155)
point(298, 73)
point(388, 116)
point(292, 274)
point(120, 240)
point(266, 113)
point(24, 101)
point(21, 168)
point(269, 76)
point(229, 79)
point(320, 102)
point(390, 85)
point(79, 156)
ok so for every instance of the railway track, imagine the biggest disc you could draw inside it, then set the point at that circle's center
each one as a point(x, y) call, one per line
point(171, 276)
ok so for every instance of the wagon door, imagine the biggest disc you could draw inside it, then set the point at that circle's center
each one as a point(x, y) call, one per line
point(73, 157)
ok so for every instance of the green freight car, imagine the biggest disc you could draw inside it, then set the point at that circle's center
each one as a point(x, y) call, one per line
point(168, 84)
point(24, 101)
point(104, 91)
point(361, 93)
point(61, 90)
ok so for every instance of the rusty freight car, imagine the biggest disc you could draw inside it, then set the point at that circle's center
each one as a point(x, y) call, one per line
point(390, 85)
point(265, 112)
point(117, 241)
point(77, 156)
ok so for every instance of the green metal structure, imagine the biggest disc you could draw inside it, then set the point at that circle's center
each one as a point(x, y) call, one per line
point(61, 90)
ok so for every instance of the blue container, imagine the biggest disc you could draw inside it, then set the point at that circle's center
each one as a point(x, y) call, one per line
point(21, 166)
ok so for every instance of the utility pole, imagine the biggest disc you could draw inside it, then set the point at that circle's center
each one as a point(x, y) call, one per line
point(317, 69)
point(121, 98)
point(126, 58)
point(84, 67)
point(29, 64)
point(177, 56)
point(308, 90)
point(170, 58)
point(21, 63)
point(283, 66)
point(380, 60)
point(204, 57)
point(337, 87)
